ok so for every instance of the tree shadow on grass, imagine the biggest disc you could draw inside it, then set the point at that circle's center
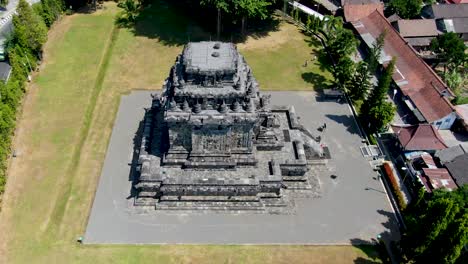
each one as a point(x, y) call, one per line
point(312, 41)
point(319, 81)
point(173, 23)
point(256, 30)
point(162, 21)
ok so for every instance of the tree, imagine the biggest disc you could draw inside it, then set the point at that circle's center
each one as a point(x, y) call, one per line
point(359, 86)
point(343, 71)
point(375, 110)
point(374, 53)
point(221, 6)
point(378, 93)
point(341, 44)
point(450, 48)
point(130, 11)
point(3, 3)
point(251, 9)
point(314, 24)
point(406, 8)
point(380, 115)
point(438, 227)
point(49, 10)
point(332, 25)
point(30, 31)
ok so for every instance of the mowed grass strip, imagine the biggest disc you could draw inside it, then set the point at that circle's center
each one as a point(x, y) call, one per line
point(138, 61)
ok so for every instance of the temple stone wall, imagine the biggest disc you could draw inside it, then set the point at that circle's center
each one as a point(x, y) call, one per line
point(211, 139)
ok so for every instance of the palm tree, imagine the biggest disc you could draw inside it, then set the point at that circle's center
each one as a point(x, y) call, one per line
point(130, 8)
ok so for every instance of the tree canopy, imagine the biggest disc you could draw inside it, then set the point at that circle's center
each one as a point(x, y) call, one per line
point(450, 48)
point(374, 53)
point(241, 9)
point(252, 8)
point(3, 3)
point(406, 8)
point(30, 30)
point(376, 110)
point(359, 86)
point(437, 227)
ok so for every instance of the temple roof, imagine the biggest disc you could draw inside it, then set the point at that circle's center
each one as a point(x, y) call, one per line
point(209, 56)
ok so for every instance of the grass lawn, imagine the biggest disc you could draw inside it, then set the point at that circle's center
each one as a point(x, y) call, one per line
point(66, 125)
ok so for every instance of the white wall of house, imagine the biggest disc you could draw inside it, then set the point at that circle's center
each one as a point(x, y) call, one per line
point(446, 122)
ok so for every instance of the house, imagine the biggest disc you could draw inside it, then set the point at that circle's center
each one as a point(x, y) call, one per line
point(449, 17)
point(438, 178)
point(449, 154)
point(458, 169)
point(418, 32)
point(456, 1)
point(422, 91)
point(357, 9)
point(458, 25)
point(462, 111)
point(421, 137)
point(436, 11)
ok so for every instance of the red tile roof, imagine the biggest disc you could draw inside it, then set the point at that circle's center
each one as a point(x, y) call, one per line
point(439, 178)
point(414, 77)
point(456, 1)
point(355, 10)
point(419, 137)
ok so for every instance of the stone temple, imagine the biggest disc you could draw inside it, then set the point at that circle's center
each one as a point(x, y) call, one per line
point(211, 141)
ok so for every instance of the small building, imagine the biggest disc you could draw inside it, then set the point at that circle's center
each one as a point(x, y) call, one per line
point(357, 9)
point(458, 25)
point(449, 154)
point(421, 91)
point(422, 137)
point(418, 32)
point(456, 1)
point(462, 112)
point(436, 11)
point(449, 17)
point(458, 169)
point(438, 178)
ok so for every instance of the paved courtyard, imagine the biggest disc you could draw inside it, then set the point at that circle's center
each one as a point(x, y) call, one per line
point(353, 208)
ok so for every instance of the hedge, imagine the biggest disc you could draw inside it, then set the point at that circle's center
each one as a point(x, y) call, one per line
point(395, 187)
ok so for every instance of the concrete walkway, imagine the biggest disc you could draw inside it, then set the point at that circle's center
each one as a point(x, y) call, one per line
point(353, 209)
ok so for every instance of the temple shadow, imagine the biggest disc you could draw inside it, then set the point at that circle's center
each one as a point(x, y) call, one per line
point(155, 147)
point(134, 173)
point(347, 121)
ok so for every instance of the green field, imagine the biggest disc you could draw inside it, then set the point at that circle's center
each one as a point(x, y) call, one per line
point(66, 124)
